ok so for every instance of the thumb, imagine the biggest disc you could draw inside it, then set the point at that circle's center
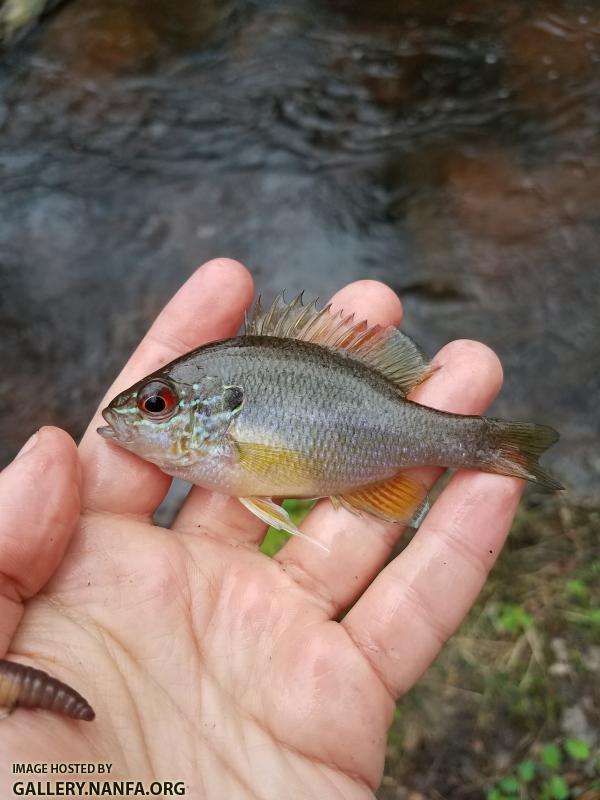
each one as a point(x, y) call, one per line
point(39, 508)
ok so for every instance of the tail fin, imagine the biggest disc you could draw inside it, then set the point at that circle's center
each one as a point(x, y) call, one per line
point(517, 447)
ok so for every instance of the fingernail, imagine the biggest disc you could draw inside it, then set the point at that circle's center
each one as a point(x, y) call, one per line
point(29, 445)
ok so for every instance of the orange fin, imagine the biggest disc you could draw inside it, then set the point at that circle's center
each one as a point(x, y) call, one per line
point(276, 516)
point(400, 499)
point(387, 350)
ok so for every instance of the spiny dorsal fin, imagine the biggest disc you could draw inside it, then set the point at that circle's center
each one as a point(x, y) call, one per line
point(387, 350)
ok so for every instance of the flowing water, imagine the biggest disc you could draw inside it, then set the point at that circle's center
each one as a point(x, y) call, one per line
point(451, 149)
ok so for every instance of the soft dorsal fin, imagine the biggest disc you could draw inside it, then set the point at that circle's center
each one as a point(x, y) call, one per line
point(387, 350)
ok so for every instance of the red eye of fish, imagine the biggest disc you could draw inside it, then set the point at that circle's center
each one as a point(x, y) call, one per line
point(156, 400)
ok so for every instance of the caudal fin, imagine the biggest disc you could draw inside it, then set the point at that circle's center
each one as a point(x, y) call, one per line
point(516, 447)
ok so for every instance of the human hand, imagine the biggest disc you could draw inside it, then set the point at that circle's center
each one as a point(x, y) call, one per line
point(207, 662)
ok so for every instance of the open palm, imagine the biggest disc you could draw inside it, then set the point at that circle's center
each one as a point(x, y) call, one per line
point(206, 661)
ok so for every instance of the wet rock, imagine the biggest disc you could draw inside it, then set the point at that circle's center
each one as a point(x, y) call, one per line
point(89, 40)
point(498, 198)
point(385, 13)
point(550, 57)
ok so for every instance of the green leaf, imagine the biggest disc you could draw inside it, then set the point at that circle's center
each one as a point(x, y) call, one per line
point(526, 770)
point(514, 618)
point(495, 794)
point(593, 616)
point(558, 788)
point(551, 756)
point(577, 588)
point(577, 749)
point(510, 784)
point(298, 509)
point(274, 541)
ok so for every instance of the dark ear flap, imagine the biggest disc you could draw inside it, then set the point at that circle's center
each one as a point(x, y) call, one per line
point(233, 397)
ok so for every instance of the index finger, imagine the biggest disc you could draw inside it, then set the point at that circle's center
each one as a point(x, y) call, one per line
point(209, 306)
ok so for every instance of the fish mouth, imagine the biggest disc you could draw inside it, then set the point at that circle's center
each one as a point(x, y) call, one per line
point(107, 431)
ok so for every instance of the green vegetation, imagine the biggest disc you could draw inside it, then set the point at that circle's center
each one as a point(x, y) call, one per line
point(548, 776)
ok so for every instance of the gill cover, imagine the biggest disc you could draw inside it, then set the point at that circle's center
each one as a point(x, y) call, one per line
point(211, 414)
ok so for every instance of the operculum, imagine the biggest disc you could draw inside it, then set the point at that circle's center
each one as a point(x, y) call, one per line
point(212, 415)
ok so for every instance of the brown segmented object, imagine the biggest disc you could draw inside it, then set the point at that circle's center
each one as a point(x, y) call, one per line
point(33, 688)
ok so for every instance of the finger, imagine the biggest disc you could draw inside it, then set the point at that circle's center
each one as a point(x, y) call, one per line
point(419, 600)
point(39, 509)
point(468, 378)
point(226, 517)
point(210, 305)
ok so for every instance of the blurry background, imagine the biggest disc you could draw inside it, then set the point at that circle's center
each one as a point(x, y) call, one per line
point(451, 149)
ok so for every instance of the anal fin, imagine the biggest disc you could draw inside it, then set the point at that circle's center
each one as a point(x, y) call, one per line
point(401, 499)
point(276, 516)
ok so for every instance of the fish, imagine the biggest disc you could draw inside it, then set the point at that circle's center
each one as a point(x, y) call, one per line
point(33, 688)
point(309, 403)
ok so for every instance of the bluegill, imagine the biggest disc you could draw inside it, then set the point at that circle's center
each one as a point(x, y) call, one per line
point(308, 403)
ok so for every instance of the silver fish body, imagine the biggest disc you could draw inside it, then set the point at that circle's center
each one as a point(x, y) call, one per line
point(351, 425)
point(308, 404)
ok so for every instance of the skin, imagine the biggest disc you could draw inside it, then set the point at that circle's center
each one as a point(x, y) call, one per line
point(205, 661)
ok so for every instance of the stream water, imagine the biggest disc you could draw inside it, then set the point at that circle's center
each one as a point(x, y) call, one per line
point(450, 149)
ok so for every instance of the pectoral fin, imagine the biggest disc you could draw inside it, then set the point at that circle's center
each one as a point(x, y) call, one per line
point(266, 460)
point(276, 516)
point(401, 499)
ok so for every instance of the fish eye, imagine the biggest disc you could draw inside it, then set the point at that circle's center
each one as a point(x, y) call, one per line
point(157, 400)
